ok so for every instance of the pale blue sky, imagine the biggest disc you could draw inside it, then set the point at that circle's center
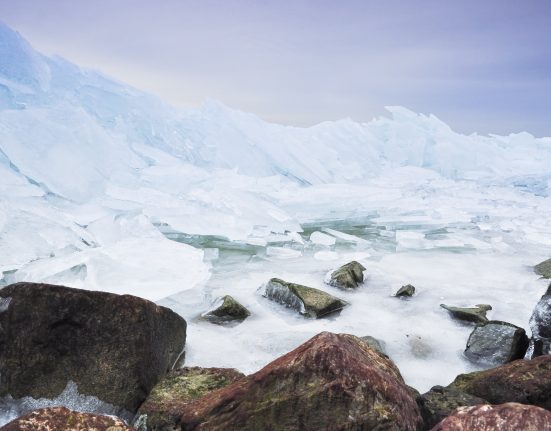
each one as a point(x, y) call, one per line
point(478, 65)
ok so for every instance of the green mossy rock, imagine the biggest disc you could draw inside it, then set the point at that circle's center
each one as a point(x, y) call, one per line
point(166, 403)
point(439, 402)
point(405, 291)
point(496, 343)
point(543, 268)
point(226, 309)
point(476, 314)
point(348, 276)
point(521, 381)
point(306, 300)
point(331, 382)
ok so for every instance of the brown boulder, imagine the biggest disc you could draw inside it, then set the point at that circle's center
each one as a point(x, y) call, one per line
point(521, 381)
point(114, 347)
point(503, 417)
point(331, 382)
point(63, 419)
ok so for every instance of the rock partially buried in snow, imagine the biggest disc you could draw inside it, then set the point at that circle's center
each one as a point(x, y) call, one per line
point(348, 276)
point(166, 403)
point(521, 381)
point(115, 347)
point(63, 419)
point(503, 417)
point(476, 314)
point(405, 291)
point(306, 300)
point(496, 343)
point(331, 382)
point(226, 309)
point(439, 402)
point(543, 268)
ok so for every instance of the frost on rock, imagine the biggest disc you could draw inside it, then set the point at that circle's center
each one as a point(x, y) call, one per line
point(279, 292)
point(11, 408)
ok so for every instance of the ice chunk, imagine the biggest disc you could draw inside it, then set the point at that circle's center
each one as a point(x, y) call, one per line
point(320, 238)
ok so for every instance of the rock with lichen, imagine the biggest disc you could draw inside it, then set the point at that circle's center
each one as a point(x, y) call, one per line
point(63, 419)
point(164, 406)
point(405, 291)
point(476, 314)
point(348, 276)
point(521, 381)
point(543, 268)
point(226, 309)
point(331, 382)
point(306, 300)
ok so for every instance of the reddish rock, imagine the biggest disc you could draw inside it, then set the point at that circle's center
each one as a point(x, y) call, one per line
point(331, 382)
point(115, 347)
point(63, 419)
point(521, 381)
point(503, 417)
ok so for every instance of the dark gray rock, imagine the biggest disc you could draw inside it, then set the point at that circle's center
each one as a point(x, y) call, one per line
point(476, 314)
point(540, 324)
point(348, 276)
point(543, 268)
point(374, 343)
point(439, 402)
point(405, 291)
point(496, 343)
point(226, 309)
point(115, 347)
point(306, 300)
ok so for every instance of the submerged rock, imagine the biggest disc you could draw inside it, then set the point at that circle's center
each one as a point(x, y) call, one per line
point(439, 402)
point(496, 343)
point(543, 268)
point(63, 419)
point(226, 309)
point(503, 417)
point(115, 347)
point(521, 381)
point(164, 406)
point(540, 324)
point(374, 343)
point(306, 300)
point(476, 314)
point(405, 291)
point(348, 276)
point(331, 382)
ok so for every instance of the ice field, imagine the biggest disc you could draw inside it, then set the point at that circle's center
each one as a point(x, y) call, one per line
point(104, 187)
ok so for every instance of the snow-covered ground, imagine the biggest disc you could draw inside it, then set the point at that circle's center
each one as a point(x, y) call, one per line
point(105, 187)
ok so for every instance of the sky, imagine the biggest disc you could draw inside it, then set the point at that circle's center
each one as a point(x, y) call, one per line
point(481, 66)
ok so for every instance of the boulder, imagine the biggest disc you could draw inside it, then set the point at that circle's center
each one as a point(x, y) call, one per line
point(306, 300)
point(165, 404)
point(543, 268)
point(503, 417)
point(331, 382)
point(375, 344)
point(114, 347)
point(63, 419)
point(476, 314)
point(496, 343)
point(521, 381)
point(348, 276)
point(439, 402)
point(226, 309)
point(405, 291)
point(540, 324)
